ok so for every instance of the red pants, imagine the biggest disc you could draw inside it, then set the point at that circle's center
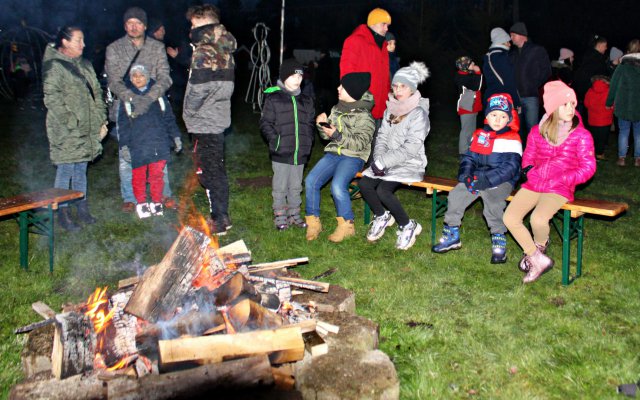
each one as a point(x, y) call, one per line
point(155, 179)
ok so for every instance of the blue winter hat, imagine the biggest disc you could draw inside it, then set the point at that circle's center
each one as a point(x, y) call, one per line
point(500, 102)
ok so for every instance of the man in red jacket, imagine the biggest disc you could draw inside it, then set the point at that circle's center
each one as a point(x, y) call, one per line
point(365, 50)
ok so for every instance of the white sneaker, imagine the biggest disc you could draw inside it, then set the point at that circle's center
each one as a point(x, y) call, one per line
point(378, 225)
point(156, 209)
point(143, 210)
point(407, 235)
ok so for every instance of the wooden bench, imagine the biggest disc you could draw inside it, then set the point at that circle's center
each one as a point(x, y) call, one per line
point(571, 214)
point(28, 208)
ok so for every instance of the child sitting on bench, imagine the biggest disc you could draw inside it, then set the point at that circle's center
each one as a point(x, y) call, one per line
point(489, 169)
point(561, 152)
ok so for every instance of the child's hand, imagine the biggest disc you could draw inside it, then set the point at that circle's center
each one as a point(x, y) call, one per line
point(470, 183)
point(377, 169)
point(321, 118)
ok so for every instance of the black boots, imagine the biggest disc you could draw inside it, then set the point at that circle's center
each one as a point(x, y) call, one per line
point(83, 213)
point(65, 221)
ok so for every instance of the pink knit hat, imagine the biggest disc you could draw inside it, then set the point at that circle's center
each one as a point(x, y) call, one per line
point(565, 53)
point(557, 93)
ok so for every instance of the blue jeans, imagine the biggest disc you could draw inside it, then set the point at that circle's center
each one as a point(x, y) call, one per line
point(126, 188)
point(623, 137)
point(342, 169)
point(72, 175)
point(530, 116)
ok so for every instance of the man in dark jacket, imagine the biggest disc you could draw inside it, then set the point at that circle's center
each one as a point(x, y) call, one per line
point(532, 68)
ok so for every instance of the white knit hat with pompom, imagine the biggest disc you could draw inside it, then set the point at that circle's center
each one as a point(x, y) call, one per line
point(413, 75)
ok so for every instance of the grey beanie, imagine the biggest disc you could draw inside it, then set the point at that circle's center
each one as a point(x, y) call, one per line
point(412, 76)
point(137, 13)
point(139, 69)
point(499, 36)
point(615, 53)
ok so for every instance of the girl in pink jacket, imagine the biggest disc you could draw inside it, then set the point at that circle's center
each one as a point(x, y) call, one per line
point(561, 156)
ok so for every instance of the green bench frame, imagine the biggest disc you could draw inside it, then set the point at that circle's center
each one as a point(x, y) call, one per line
point(35, 215)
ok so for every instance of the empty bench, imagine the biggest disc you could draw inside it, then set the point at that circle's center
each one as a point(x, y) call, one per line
point(34, 212)
point(572, 215)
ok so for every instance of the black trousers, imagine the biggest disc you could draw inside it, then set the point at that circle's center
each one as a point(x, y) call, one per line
point(212, 174)
point(380, 196)
point(600, 137)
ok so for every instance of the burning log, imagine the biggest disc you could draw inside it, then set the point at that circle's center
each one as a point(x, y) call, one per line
point(243, 373)
point(74, 345)
point(302, 283)
point(217, 348)
point(163, 287)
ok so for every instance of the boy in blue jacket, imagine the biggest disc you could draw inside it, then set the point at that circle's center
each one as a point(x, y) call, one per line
point(287, 126)
point(147, 140)
point(490, 170)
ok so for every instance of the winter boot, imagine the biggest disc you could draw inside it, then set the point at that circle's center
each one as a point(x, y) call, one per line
point(280, 219)
point(524, 265)
point(407, 235)
point(539, 264)
point(143, 210)
point(344, 229)
point(498, 248)
point(65, 221)
point(543, 247)
point(294, 218)
point(450, 240)
point(83, 213)
point(314, 227)
point(378, 225)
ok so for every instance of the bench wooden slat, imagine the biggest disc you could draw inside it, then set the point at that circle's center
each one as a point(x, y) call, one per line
point(43, 198)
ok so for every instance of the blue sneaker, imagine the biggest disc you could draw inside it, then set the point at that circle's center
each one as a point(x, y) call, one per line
point(450, 240)
point(498, 248)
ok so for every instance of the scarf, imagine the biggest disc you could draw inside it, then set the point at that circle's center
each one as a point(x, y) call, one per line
point(399, 108)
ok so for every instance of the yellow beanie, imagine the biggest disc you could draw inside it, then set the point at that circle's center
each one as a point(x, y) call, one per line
point(378, 15)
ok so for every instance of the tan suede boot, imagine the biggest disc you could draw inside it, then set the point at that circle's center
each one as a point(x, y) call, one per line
point(343, 230)
point(314, 227)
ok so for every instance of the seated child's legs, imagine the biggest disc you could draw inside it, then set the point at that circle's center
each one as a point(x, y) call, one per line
point(523, 202)
point(139, 183)
point(387, 196)
point(458, 201)
point(368, 188)
point(317, 177)
point(346, 169)
point(156, 180)
point(494, 201)
point(547, 207)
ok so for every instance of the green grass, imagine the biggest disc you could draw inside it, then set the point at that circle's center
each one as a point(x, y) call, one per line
point(480, 332)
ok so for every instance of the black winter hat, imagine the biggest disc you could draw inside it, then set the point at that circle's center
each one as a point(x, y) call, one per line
point(356, 83)
point(135, 12)
point(289, 67)
point(520, 28)
point(154, 25)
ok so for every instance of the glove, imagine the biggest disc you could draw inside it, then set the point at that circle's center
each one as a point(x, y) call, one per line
point(125, 153)
point(377, 169)
point(470, 183)
point(523, 174)
point(103, 131)
point(141, 104)
point(178, 143)
point(482, 183)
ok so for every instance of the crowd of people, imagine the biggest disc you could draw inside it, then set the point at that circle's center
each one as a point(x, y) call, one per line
point(378, 127)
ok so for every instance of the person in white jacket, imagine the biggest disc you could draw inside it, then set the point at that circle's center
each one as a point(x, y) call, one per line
point(398, 156)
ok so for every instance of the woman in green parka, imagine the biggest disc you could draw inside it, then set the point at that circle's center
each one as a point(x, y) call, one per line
point(76, 117)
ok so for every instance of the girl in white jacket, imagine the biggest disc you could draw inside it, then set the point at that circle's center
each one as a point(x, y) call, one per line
point(398, 155)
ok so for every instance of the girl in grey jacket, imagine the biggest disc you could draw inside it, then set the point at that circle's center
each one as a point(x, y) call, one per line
point(398, 156)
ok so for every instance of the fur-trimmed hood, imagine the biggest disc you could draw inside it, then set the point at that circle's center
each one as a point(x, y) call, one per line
point(631, 59)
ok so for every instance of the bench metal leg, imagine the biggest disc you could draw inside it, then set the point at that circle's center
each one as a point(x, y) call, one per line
point(23, 221)
point(580, 229)
point(438, 209)
point(41, 224)
point(566, 246)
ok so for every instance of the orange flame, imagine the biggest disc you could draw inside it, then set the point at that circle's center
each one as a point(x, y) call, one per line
point(96, 311)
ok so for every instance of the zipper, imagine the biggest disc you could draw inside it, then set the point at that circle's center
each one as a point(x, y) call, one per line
point(295, 119)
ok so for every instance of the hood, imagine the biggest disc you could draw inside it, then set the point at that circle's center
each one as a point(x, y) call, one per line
point(364, 31)
point(632, 59)
point(51, 53)
point(203, 33)
point(365, 102)
point(600, 86)
point(424, 104)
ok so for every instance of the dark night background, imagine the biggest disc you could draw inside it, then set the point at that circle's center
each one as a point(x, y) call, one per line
point(435, 31)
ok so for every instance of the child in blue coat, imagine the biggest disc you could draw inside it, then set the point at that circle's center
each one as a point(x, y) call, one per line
point(146, 140)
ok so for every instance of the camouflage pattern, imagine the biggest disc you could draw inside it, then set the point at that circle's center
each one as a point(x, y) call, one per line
point(213, 48)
